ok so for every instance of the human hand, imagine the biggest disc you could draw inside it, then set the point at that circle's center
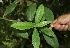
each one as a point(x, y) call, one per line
point(61, 23)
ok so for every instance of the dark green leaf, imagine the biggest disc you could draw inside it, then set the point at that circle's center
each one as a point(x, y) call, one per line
point(41, 24)
point(23, 25)
point(31, 11)
point(23, 35)
point(53, 41)
point(10, 8)
point(35, 39)
point(39, 13)
point(48, 14)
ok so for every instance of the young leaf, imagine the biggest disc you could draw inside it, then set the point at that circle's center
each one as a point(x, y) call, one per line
point(23, 35)
point(23, 25)
point(39, 13)
point(31, 11)
point(35, 39)
point(47, 31)
point(41, 24)
point(53, 41)
point(48, 14)
point(10, 8)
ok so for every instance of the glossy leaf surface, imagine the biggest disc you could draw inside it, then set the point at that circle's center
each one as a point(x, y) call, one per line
point(23, 25)
point(41, 24)
point(39, 13)
point(35, 39)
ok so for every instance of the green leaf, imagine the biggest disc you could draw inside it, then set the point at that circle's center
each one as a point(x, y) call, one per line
point(35, 39)
point(41, 24)
point(48, 14)
point(69, 28)
point(39, 13)
point(23, 35)
point(10, 8)
point(48, 32)
point(53, 41)
point(23, 25)
point(31, 11)
point(43, 18)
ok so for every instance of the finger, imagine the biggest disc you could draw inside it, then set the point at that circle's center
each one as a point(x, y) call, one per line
point(66, 27)
point(54, 21)
point(57, 25)
point(62, 27)
point(52, 25)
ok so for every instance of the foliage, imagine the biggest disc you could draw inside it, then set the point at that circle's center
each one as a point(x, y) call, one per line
point(10, 8)
point(30, 20)
point(50, 37)
point(31, 12)
point(35, 36)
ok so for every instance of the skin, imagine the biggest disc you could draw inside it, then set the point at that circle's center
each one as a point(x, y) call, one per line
point(61, 23)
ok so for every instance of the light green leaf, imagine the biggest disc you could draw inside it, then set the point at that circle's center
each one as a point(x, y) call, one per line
point(48, 32)
point(41, 24)
point(23, 35)
point(53, 41)
point(31, 11)
point(35, 39)
point(48, 14)
point(39, 13)
point(23, 25)
point(10, 8)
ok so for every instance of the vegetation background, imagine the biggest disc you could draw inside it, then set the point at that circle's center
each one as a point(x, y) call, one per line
point(8, 38)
